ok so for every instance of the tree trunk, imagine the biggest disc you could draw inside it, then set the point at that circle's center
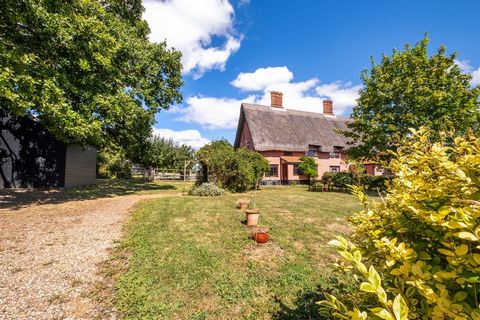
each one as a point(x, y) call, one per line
point(149, 174)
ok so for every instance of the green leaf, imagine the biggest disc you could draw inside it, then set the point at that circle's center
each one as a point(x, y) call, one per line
point(400, 308)
point(374, 278)
point(367, 287)
point(382, 313)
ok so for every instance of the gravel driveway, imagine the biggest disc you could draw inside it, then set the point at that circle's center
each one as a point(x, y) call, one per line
point(49, 254)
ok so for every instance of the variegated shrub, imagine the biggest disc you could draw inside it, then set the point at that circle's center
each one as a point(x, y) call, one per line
point(423, 237)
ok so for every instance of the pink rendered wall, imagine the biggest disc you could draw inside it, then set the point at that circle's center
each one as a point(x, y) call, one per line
point(273, 157)
point(323, 161)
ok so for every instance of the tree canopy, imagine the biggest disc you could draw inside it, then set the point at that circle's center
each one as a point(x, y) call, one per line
point(308, 167)
point(410, 89)
point(85, 69)
point(164, 154)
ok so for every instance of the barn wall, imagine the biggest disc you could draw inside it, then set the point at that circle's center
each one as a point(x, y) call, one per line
point(30, 156)
point(80, 166)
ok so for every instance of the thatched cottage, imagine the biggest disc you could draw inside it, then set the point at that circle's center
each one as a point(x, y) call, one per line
point(282, 136)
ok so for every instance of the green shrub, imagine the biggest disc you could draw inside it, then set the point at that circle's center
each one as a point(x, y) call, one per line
point(236, 170)
point(375, 183)
point(113, 164)
point(343, 179)
point(423, 237)
point(207, 190)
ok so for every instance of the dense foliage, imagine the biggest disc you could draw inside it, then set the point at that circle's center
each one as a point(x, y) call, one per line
point(424, 236)
point(410, 89)
point(345, 179)
point(85, 69)
point(235, 170)
point(308, 167)
point(206, 190)
point(161, 153)
point(113, 164)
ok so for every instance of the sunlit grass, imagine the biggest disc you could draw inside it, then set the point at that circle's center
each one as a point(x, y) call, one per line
point(191, 257)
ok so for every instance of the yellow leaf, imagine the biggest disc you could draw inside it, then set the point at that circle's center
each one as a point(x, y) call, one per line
point(367, 287)
point(400, 308)
point(446, 252)
point(466, 235)
point(461, 250)
point(476, 258)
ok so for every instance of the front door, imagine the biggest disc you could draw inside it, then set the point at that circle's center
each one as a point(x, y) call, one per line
point(285, 173)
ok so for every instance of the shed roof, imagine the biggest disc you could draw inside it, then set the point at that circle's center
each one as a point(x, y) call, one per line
point(290, 130)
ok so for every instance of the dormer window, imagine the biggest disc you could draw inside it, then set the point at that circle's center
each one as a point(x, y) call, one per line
point(336, 152)
point(313, 150)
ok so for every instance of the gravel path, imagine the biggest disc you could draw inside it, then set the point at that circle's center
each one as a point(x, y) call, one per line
point(49, 255)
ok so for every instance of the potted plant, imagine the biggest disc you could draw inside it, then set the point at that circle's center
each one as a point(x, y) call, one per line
point(252, 216)
point(242, 204)
point(260, 234)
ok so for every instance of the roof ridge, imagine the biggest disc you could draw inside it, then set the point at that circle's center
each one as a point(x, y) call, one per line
point(298, 112)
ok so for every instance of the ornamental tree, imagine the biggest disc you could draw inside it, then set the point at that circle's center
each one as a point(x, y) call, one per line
point(85, 69)
point(423, 237)
point(410, 89)
point(308, 167)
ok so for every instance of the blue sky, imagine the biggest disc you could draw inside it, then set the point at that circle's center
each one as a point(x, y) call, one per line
point(236, 51)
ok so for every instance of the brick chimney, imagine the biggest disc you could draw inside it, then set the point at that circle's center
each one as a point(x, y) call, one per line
point(276, 97)
point(328, 107)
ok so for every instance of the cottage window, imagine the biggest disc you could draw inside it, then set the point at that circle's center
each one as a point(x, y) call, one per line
point(313, 150)
point(273, 170)
point(296, 172)
point(336, 152)
point(288, 153)
point(334, 168)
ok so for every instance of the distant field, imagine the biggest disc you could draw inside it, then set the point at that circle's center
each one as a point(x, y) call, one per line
point(191, 258)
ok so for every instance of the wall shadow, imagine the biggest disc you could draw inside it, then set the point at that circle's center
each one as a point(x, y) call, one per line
point(15, 199)
point(30, 156)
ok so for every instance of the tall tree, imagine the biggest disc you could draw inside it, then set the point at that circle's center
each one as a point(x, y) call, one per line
point(410, 89)
point(85, 69)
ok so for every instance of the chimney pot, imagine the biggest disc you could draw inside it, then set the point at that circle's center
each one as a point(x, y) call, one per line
point(328, 107)
point(277, 99)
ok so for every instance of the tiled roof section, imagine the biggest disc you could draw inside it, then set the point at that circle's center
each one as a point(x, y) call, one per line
point(290, 130)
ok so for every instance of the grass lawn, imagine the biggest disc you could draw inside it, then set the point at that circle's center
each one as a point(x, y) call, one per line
point(191, 257)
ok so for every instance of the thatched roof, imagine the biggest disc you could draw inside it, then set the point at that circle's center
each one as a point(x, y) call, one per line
point(290, 130)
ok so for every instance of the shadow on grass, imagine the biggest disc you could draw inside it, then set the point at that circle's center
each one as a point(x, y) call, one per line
point(343, 286)
point(15, 199)
point(305, 307)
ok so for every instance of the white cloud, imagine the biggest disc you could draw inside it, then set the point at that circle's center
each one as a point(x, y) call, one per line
point(210, 112)
point(476, 77)
point(189, 137)
point(303, 95)
point(343, 94)
point(262, 78)
point(222, 113)
point(466, 67)
point(190, 27)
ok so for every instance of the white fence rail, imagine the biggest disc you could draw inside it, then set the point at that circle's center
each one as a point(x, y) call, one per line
point(170, 174)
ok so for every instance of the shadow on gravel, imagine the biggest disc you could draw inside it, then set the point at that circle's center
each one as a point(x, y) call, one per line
point(15, 199)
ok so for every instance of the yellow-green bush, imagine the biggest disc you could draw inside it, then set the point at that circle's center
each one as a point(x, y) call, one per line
point(423, 237)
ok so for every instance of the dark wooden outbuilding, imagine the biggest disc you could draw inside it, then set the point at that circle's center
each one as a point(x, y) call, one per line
point(31, 157)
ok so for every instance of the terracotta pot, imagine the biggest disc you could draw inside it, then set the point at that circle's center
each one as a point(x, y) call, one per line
point(261, 237)
point(252, 217)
